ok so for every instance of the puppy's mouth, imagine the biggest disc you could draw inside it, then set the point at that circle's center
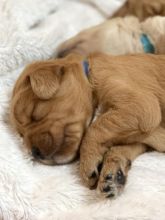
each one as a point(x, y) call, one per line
point(58, 160)
point(55, 151)
point(58, 157)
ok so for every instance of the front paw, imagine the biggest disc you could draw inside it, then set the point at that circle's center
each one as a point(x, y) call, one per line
point(83, 43)
point(90, 171)
point(113, 175)
point(91, 165)
point(73, 45)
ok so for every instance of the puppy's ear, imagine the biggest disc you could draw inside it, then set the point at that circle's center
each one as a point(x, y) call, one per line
point(45, 81)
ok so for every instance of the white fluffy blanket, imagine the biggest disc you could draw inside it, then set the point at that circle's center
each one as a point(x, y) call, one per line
point(31, 30)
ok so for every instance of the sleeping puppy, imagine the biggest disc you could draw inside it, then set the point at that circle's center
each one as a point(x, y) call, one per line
point(118, 36)
point(44, 110)
point(122, 35)
point(54, 103)
point(142, 8)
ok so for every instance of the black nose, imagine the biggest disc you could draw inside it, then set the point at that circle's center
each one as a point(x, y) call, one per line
point(37, 153)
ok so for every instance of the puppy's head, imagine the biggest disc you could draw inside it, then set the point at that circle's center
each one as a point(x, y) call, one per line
point(142, 8)
point(51, 108)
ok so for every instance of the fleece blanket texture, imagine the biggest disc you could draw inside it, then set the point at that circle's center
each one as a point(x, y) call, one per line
point(31, 30)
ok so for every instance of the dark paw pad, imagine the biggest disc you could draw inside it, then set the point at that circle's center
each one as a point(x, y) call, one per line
point(129, 163)
point(110, 195)
point(108, 177)
point(107, 188)
point(121, 179)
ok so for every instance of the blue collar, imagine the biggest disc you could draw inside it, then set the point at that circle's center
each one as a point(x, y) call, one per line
point(86, 67)
point(148, 47)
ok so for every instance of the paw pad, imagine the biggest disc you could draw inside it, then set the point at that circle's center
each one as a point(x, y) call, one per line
point(110, 195)
point(120, 177)
point(108, 177)
point(106, 188)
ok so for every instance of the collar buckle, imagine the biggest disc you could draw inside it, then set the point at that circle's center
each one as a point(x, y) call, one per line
point(148, 47)
point(86, 67)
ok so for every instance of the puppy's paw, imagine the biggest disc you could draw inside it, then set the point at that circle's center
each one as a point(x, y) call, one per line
point(71, 46)
point(113, 175)
point(84, 43)
point(90, 168)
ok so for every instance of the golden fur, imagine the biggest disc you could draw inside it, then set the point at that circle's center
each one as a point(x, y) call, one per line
point(53, 103)
point(117, 36)
point(56, 130)
point(142, 8)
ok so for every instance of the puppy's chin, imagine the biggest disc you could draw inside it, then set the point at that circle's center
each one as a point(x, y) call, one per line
point(58, 160)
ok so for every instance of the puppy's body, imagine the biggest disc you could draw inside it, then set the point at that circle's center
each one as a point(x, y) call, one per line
point(142, 8)
point(128, 90)
point(122, 35)
point(117, 36)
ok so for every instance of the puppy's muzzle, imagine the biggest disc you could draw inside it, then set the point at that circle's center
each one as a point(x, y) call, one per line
point(36, 153)
point(43, 145)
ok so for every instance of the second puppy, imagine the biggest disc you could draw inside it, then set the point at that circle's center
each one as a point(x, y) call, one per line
point(119, 36)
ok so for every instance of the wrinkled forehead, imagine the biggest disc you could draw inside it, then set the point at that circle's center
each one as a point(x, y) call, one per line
point(28, 108)
point(51, 65)
point(46, 87)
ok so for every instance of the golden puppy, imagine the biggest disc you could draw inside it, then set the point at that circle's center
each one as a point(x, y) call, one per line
point(44, 110)
point(142, 8)
point(118, 36)
point(54, 102)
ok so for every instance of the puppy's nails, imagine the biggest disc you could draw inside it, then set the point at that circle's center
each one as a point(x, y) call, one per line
point(93, 175)
point(99, 167)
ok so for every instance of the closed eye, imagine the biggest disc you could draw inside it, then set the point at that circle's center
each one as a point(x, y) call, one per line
point(40, 110)
point(34, 119)
point(73, 131)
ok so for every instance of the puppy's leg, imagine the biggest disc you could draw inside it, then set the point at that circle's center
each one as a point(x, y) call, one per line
point(116, 164)
point(157, 139)
point(128, 122)
point(88, 41)
point(73, 45)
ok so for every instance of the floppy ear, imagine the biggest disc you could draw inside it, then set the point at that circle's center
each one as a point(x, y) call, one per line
point(46, 81)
